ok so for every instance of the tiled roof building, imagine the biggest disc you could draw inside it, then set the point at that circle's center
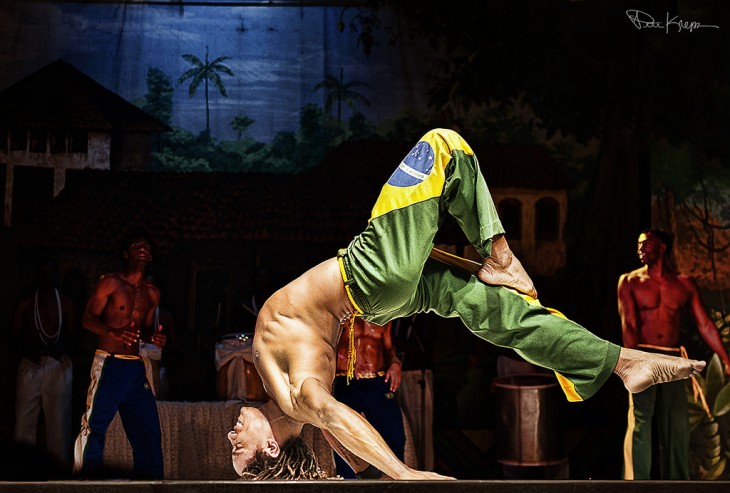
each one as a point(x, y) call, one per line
point(59, 119)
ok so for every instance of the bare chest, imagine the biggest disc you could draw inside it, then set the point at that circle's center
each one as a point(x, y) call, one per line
point(129, 303)
point(665, 294)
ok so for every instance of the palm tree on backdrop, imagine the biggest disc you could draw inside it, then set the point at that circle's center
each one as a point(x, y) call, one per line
point(202, 72)
point(240, 124)
point(338, 91)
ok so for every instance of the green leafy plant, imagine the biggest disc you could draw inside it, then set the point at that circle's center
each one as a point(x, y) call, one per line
point(710, 434)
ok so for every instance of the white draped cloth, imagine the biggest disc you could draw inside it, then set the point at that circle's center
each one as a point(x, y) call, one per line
point(235, 353)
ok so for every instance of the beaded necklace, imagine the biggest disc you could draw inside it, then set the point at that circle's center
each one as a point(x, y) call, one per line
point(45, 337)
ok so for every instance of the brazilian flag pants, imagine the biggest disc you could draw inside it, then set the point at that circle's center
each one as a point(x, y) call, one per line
point(387, 272)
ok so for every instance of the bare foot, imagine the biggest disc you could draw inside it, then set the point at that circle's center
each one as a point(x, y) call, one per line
point(640, 370)
point(502, 268)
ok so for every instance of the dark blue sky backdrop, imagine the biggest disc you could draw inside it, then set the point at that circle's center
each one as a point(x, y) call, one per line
point(277, 54)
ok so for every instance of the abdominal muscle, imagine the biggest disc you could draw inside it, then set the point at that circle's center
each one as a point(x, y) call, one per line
point(660, 327)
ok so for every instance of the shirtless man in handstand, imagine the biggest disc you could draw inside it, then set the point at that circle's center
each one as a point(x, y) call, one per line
point(386, 273)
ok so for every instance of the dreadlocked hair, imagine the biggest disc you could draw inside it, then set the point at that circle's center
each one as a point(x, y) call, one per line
point(296, 460)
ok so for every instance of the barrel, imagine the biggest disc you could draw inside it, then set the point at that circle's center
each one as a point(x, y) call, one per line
point(528, 429)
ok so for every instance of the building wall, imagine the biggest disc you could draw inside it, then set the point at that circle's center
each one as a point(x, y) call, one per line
point(540, 257)
point(130, 151)
point(95, 154)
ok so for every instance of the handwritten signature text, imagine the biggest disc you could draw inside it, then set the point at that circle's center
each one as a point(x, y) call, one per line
point(642, 20)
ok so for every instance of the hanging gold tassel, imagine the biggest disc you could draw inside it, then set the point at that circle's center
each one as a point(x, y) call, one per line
point(351, 353)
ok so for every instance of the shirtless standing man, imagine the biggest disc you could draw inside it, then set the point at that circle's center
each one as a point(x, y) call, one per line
point(651, 301)
point(121, 307)
point(372, 391)
point(385, 273)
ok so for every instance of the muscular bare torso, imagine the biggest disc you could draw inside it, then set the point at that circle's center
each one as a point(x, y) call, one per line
point(659, 303)
point(119, 303)
point(297, 332)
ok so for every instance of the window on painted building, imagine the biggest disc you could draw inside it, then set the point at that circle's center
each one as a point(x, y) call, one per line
point(18, 140)
point(38, 141)
point(78, 141)
point(58, 141)
point(547, 219)
point(32, 191)
point(510, 213)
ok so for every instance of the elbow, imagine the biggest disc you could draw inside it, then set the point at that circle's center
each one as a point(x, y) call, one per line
point(87, 322)
point(317, 409)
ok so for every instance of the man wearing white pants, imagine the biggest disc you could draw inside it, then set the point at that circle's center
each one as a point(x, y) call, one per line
point(43, 326)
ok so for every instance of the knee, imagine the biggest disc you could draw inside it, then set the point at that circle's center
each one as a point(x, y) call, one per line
point(446, 141)
point(442, 133)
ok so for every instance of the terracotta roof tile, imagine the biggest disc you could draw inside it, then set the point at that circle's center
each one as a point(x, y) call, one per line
point(97, 207)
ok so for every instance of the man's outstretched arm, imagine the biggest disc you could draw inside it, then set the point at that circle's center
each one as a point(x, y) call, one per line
point(316, 405)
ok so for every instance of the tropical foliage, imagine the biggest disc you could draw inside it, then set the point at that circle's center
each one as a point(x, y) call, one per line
point(710, 434)
point(203, 72)
point(337, 91)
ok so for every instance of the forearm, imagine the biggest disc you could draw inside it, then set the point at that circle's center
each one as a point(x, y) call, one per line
point(355, 434)
point(391, 357)
point(97, 326)
point(129, 335)
point(356, 463)
point(714, 341)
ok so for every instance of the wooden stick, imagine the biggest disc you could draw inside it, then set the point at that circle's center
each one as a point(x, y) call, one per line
point(468, 266)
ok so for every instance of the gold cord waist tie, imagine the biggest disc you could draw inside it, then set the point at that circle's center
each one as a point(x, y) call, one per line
point(697, 391)
point(349, 321)
point(363, 376)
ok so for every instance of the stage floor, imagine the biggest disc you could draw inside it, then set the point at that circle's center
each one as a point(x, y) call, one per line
point(502, 486)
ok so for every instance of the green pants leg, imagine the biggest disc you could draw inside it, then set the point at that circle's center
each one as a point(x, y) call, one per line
point(440, 175)
point(503, 317)
point(383, 268)
point(668, 404)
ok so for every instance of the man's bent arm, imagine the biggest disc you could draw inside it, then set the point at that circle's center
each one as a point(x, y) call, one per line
point(317, 406)
point(627, 312)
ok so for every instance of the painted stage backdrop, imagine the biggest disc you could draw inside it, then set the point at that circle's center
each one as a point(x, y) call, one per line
point(241, 85)
point(630, 97)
